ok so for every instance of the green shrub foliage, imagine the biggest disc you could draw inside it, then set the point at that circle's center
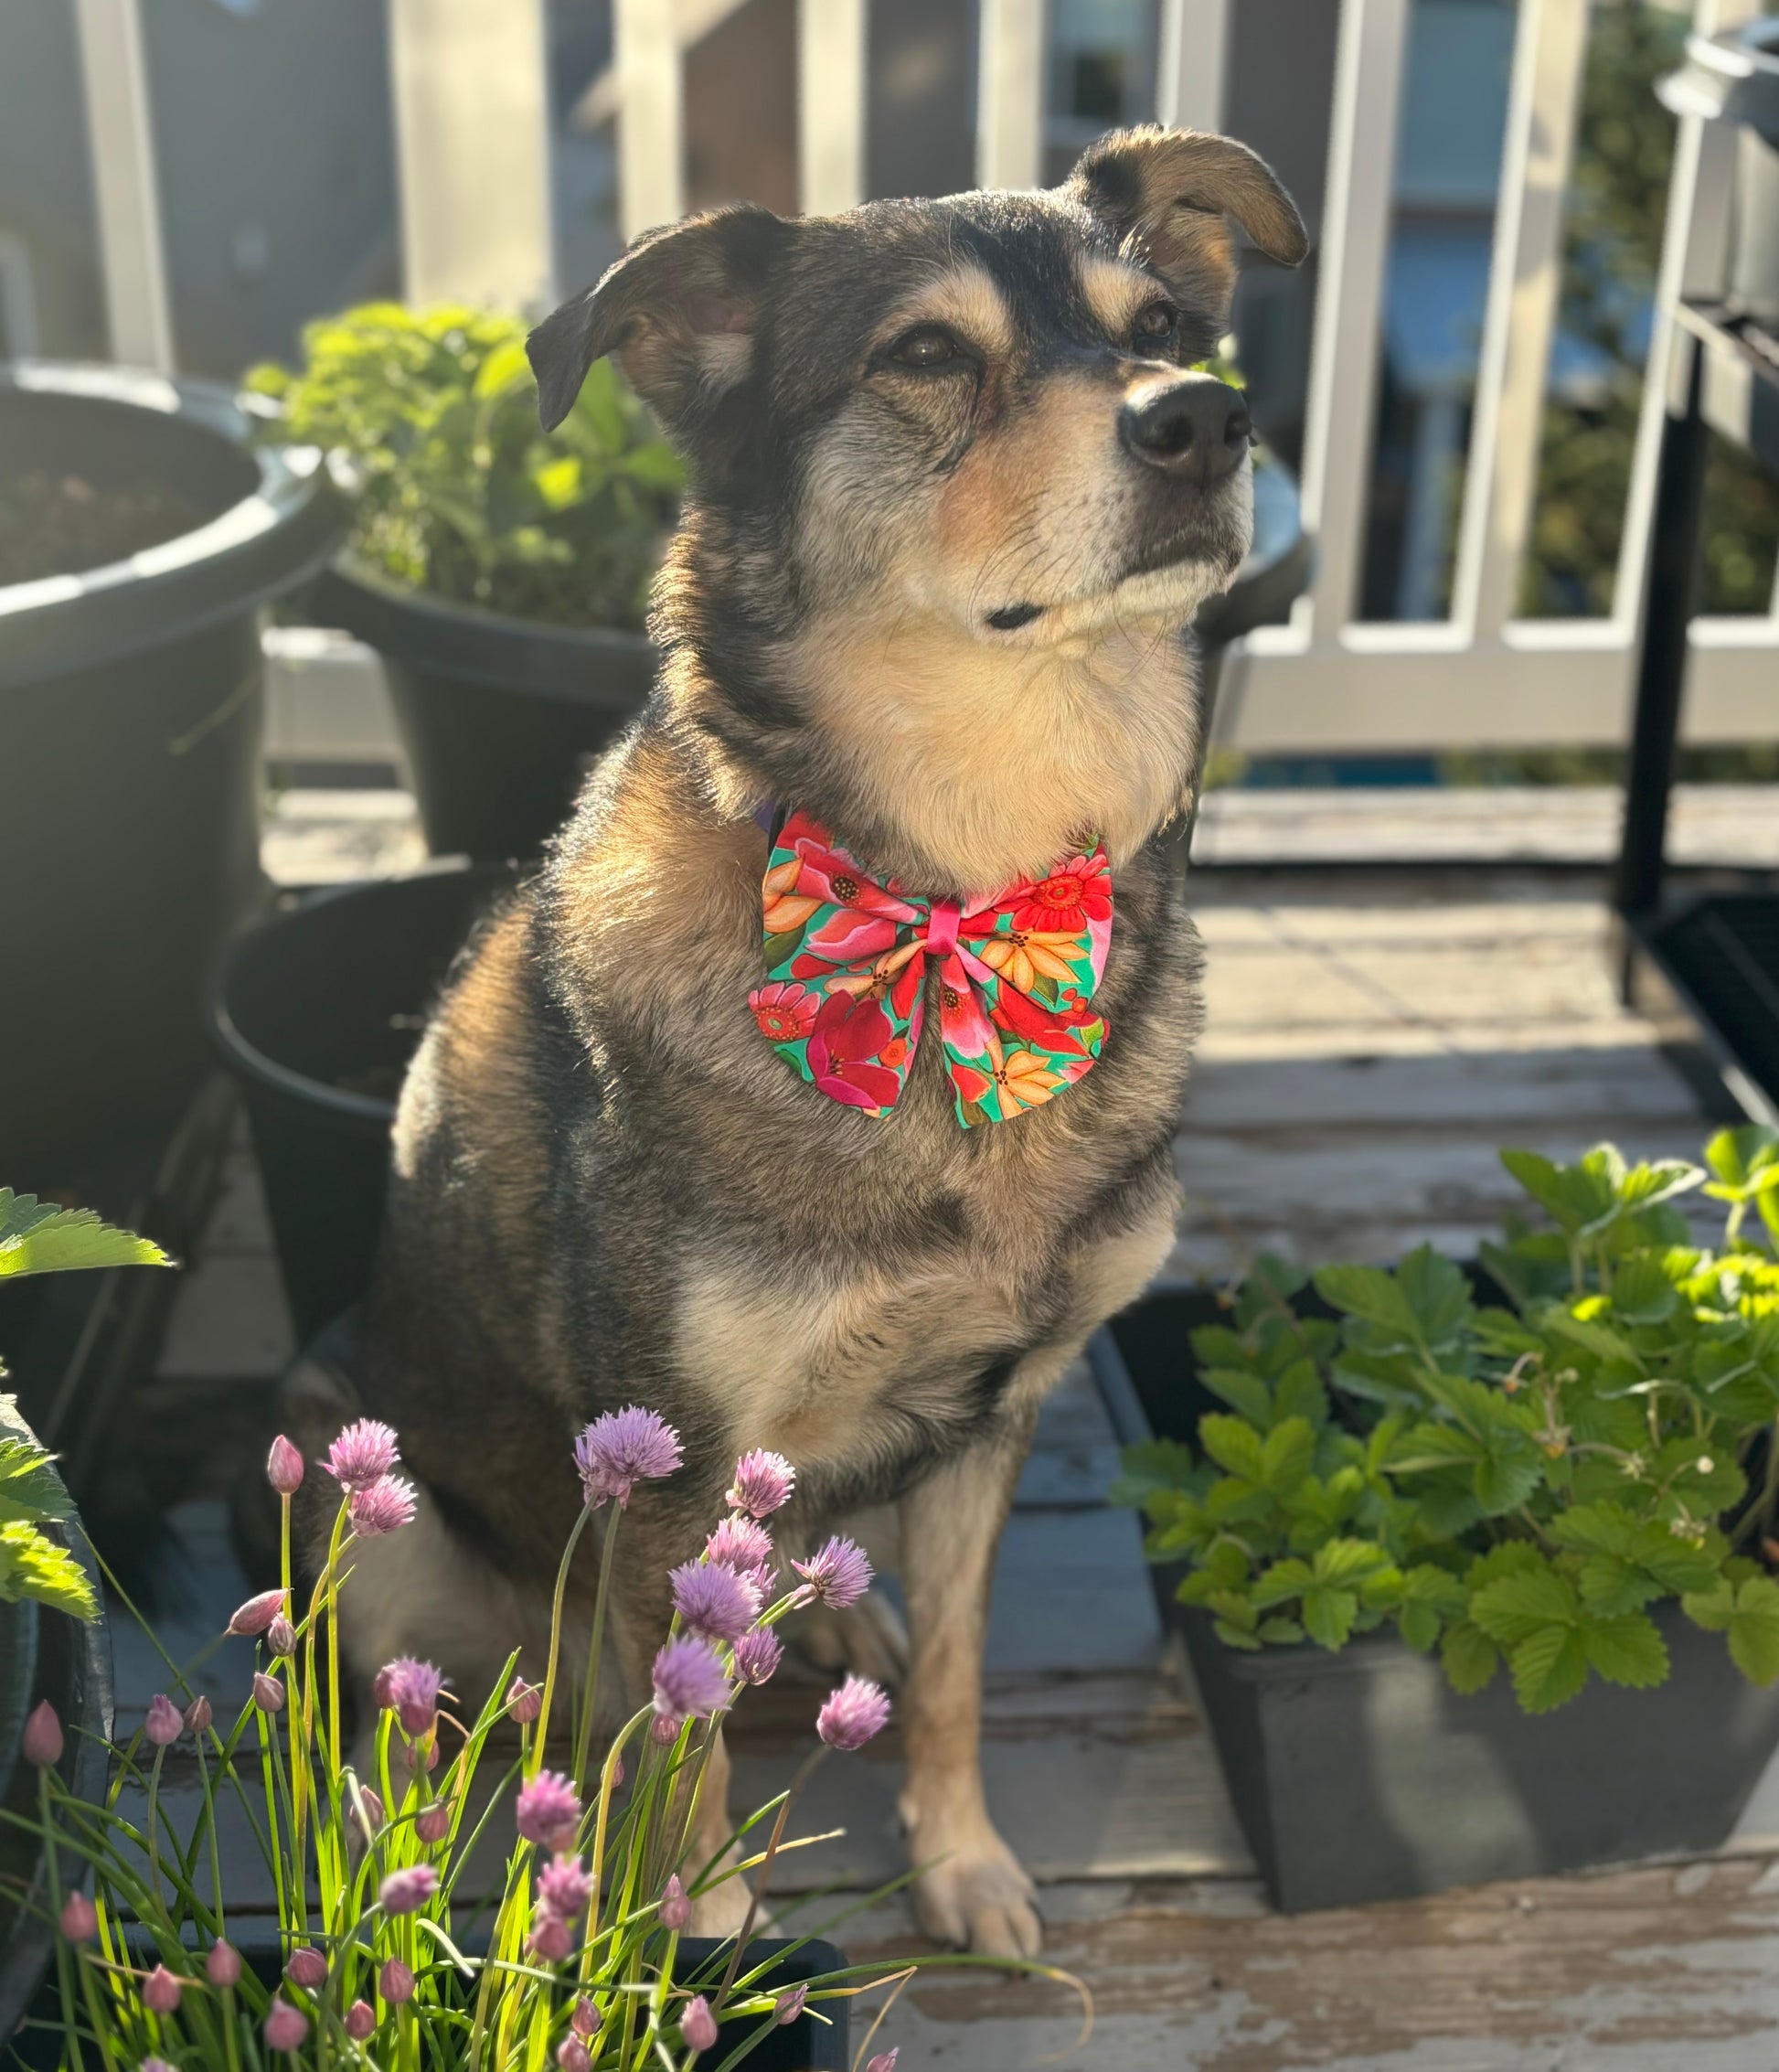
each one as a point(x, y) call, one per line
point(1515, 1481)
point(458, 491)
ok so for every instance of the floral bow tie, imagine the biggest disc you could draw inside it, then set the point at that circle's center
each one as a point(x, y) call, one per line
point(847, 959)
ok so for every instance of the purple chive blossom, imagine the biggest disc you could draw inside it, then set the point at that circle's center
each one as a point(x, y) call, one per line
point(714, 1601)
point(165, 1722)
point(284, 1467)
point(689, 1681)
point(585, 2019)
point(623, 1447)
point(697, 2026)
point(281, 1636)
point(547, 1811)
point(362, 1455)
point(359, 2021)
point(741, 1543)
point(675, 1909)
point(413, 1690)
point(525, 1702)
point(80, 1919)
point(257, 1613)
point(758, 1654)
point(407, 1891)
point(853, 1714)
point(222, 1964)
point(268, 1693)
point(885, 2060)
point(395, 1981)
point(763, 1482)
point(551, 1937)
point(840, 1573)
point(286, 2027)
point(564, 1888)
point(198, 1715)
point(372, 1801)
point(572, 2056)
point(307, 1968)
point(789, 2005)
point(42, 1744)
point(155, 2065)
point(160, 1991)
point(433, 1822)
point(385, 1506)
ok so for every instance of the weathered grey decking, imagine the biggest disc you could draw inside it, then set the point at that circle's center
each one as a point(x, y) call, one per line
point(1371, 1042)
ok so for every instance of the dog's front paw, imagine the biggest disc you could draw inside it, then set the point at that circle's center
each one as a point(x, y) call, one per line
point(978, 1897)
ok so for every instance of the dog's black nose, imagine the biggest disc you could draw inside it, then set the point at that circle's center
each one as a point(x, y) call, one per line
point(1198, 429)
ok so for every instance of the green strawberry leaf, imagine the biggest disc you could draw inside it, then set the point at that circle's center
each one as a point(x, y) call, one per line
point(1550, 1667)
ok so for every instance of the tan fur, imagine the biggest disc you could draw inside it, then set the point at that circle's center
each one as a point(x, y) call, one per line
point(1001, 759)
point(967, 297)
point(1115, 291)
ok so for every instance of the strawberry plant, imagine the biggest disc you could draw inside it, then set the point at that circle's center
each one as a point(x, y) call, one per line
point(1516, 1469)
point(434, 414)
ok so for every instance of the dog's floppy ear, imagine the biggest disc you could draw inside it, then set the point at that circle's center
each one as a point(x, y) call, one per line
point(679, 309)
point(1164, 194)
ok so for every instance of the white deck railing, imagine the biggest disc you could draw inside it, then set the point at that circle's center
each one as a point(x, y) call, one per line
point(471, 118)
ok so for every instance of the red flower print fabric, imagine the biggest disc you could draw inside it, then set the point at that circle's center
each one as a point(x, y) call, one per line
point(847, 959)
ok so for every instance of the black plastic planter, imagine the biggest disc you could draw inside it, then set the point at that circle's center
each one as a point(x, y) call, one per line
point(499, 716)
point(130, 711)
point(1363, 1776)
point(44, 1654)
point(317, 1013)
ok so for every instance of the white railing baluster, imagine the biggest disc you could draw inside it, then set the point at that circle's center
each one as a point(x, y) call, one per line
point(1010, 94)
point(650, 153)
point(472, 121)
point(1694, 252)
point(1525, 286)
point(833, 40)
point(120, 139)
point(1357, 217)
point(1192, 63)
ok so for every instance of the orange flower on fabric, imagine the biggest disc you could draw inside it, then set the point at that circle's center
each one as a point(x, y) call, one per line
point(1023, 958)
point(785, 913)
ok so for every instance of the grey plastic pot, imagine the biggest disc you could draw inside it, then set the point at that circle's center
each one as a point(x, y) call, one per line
point(498, 717)
point(130, 723)
point(1362, 1775)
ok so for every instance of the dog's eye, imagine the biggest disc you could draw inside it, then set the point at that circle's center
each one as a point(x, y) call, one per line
point(1156, 325)
point(928, 345)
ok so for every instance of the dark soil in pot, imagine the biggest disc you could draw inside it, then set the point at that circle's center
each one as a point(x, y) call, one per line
point(130, 709)
point(63, 525)
point(1361, 1775)
point(317, 1013)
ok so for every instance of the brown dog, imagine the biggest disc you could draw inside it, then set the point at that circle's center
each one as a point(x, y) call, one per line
point(954, 491)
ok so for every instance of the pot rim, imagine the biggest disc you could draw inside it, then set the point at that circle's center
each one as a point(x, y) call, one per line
point(247, 1060)
point(263, 543)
